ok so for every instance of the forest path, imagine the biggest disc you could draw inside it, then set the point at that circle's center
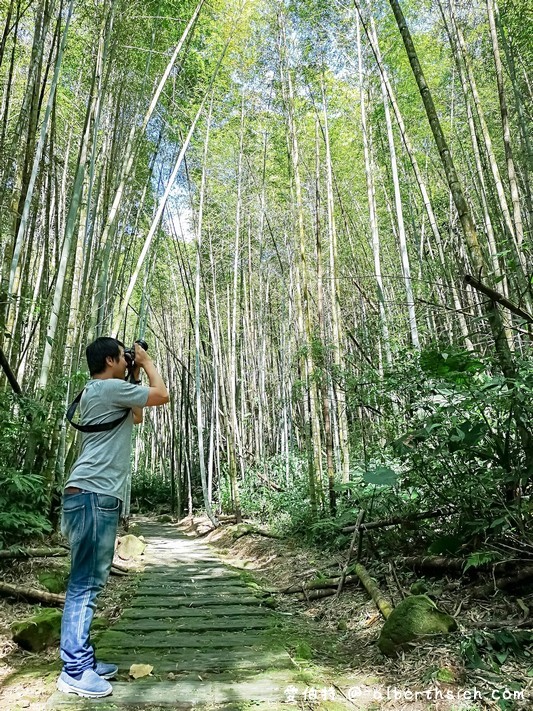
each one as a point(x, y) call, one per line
point(203, 628)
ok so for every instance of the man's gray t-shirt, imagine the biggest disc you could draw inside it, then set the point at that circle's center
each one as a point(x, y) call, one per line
point(104, 462)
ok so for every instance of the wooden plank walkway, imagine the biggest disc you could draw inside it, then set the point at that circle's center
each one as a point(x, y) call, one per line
point(203, 629)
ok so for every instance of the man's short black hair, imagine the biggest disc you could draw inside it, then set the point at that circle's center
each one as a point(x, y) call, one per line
point(100, 349)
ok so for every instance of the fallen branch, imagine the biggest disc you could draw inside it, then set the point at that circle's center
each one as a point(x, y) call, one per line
point(383, 605)
point(397, 520)
point(496, 296)
point(497, 624)
point(247, 529)
point(31, 594)
point(271, 484)
point(308, 594)
point(358, 533)
point(19, 553)
point(433, 562)
point(396, 580)
point(525, 575)
point(316, 585)
point(451, 565)
point(315, 594)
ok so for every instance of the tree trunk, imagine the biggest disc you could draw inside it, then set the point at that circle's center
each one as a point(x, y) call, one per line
point(36, 161)
point(199, 413)
point(491, 311)
point(130, 150)
point(71, 222)
point(492, 8)
point(421, 182)
point(336, 316)
point(303, 307)
point(383, 605)
point(526, 146)
point(324, 385)
point(372, 211)
point(502, 200)
point(163, 200)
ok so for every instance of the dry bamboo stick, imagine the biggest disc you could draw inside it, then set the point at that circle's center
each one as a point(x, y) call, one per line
point(383, 605)
point(31, 594)
point(11, 553)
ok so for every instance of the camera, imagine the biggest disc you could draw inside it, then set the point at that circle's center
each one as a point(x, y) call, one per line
point(129, 354)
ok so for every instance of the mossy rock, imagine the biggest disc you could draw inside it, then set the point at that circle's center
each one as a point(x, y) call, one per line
point(38, 632)
point(419, 587)
point(415, 617)
point(55, 581)
point(165, 518)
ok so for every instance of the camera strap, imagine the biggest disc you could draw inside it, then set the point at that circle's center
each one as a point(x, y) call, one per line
point(103, 427)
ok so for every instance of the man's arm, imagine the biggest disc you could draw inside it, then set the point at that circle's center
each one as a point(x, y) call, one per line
point(137, 415)
point(158, 394)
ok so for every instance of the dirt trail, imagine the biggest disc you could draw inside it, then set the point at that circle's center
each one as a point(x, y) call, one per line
point(208, 630)
point(210, 638)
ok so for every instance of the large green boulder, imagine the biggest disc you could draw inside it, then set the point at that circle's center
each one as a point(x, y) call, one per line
point(413, 619)
point(40, 631)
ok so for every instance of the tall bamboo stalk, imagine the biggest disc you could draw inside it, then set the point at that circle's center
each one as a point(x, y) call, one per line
point(33, 177)
point(476, 255)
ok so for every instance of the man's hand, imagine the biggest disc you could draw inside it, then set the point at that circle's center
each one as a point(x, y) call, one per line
point(141, 356)
point(158, 394)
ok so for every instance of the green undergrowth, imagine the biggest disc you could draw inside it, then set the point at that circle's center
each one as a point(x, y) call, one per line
point(454, 438)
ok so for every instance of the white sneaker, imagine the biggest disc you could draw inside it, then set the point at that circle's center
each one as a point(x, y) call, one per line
point(90, 685)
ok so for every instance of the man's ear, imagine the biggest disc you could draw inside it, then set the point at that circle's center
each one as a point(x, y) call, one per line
point(110, 360)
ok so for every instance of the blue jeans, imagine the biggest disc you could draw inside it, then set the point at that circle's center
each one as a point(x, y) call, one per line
point(90, 523)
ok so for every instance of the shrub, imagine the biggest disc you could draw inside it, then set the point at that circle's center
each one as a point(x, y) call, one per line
point(23, 494)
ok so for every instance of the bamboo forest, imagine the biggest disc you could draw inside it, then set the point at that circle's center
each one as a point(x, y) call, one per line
point(318, 216)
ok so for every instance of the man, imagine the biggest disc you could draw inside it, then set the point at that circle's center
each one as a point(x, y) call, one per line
point(92, 501)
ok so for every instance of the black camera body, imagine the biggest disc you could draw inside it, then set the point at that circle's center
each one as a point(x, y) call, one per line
point(129, 354)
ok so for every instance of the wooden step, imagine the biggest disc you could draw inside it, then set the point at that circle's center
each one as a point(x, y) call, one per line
point(194, 600)
point(201, 661)
point(187, 693)
point(194, 625)
point(213, 612)
point(193, 590)
point(177, 640)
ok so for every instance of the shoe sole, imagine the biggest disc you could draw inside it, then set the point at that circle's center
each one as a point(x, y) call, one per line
point(107, 676)
point(67, 689)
